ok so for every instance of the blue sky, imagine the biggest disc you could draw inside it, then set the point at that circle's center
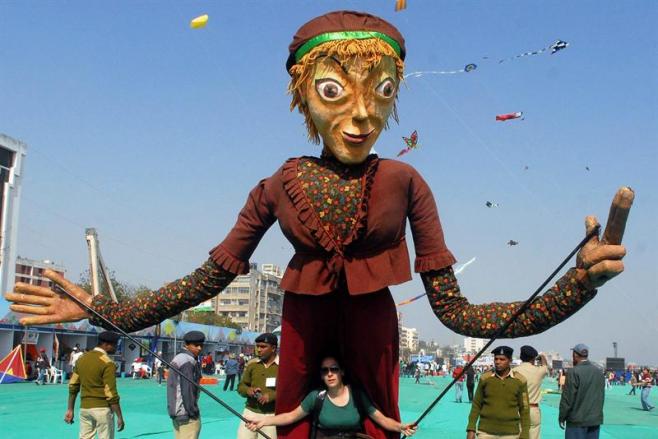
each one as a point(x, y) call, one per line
point(154, 133)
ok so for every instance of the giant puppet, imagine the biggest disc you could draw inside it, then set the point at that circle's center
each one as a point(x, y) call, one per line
point(345, 213)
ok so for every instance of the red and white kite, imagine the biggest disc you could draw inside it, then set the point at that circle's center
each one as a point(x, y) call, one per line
point(509, 116)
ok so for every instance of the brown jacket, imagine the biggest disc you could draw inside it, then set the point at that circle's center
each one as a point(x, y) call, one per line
point(375, 258)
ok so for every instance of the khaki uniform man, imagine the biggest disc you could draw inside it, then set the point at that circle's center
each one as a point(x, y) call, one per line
point(500, 402)
point(258, 385)
point(534, 376)
point(94, 376)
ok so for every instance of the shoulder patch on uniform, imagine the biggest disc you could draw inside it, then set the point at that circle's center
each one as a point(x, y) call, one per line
point(105, 359)
point(486, 375)
point(253, 361)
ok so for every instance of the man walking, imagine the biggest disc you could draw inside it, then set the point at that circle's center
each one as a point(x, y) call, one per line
point(581, 404)
point(500, 402)
point(258, 385)
point(94, 376)
point(231, 370)
point(470, 382)
point(182, 395)
point(645, 381)
point(534, 375)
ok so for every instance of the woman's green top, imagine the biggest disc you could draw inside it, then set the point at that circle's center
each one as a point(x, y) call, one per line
point(333, 417)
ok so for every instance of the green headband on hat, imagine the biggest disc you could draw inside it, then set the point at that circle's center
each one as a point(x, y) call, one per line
point(344, 35)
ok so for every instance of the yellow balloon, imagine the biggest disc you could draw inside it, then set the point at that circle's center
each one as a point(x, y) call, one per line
point(199, 22)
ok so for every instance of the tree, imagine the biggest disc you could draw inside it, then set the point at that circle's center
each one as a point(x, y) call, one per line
point(209, 318)
point(122, 290)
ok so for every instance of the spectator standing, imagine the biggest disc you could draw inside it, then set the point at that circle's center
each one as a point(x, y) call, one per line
point(581, 404)
point(94, 377)
point(470, 383)
point(634, 384)
point(645, 381)
point(43, 367)
point(534, 376)
point(459, 385)
point(241, 365)
point(500, 402)
point(231, 370)
point(182, 395)
point(158, 367)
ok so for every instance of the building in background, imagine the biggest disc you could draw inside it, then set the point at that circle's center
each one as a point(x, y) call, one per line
point(12, 155)
point(473, 345)
point(408, 338)
point(31, 272)
point(254, 300)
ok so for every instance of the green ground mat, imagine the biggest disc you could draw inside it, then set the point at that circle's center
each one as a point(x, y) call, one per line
point(30, 411)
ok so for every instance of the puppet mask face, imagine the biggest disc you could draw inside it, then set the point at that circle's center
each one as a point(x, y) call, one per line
point(350, 104)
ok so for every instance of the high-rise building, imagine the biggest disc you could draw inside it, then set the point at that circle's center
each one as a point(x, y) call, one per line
point(12, 154)
point(254, 300)
point(31, 272)
point(473, 345)
point(409, 338)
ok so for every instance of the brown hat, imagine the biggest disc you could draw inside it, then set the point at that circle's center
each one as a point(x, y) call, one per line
point(343, 25)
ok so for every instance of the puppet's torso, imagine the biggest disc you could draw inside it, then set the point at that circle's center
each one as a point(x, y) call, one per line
point(341, 220)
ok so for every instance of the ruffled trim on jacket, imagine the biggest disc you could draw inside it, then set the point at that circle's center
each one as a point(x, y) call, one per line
point(309, 217)
point(228, 262)
point(435, 261)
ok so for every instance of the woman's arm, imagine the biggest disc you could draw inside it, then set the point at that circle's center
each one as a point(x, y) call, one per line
point(391, 424)
point(278, 420)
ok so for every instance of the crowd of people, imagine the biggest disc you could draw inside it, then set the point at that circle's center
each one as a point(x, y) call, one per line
point(337, 404)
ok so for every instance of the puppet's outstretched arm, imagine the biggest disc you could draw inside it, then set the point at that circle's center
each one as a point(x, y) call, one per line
point(227, 260)
point(561, 301)
point(598, 261)
point(153, 307)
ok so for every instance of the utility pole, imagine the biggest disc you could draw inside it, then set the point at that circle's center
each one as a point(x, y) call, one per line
point(614, 346)
point(96, 263)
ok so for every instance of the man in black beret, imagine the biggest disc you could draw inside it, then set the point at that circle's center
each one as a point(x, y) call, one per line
point(95, 374)
point(534, 375)
point(500, 402)
point(182, 396)
point(258, 385)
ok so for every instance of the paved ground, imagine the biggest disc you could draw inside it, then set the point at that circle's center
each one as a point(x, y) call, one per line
point(29, 411)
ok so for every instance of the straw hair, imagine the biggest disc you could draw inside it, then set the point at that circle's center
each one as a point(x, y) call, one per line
point(370, 51)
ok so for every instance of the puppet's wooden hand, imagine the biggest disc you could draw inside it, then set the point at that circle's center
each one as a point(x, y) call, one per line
point(46, 305)
point(601, 259)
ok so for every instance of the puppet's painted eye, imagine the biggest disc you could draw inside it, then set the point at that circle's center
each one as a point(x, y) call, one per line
point(329, 89)
point(386, 88)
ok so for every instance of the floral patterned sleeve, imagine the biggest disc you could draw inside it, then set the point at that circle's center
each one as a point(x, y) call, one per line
point(155, 306)
point(561, 301)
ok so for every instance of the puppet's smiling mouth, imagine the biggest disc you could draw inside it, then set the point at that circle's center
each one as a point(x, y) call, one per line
point(356, 138)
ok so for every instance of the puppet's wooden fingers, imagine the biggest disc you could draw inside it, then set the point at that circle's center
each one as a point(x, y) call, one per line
point(621, 206)
point(68, 286)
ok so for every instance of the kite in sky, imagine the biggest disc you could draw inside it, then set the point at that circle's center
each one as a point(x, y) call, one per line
point(490, 204)
point(555, 47)
point(511, 242)
point(412, 143)
point(199, 22)
point(509, 116)
point(400, 5)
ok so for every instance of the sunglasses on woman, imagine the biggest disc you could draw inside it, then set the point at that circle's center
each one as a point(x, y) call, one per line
point(332, 369)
